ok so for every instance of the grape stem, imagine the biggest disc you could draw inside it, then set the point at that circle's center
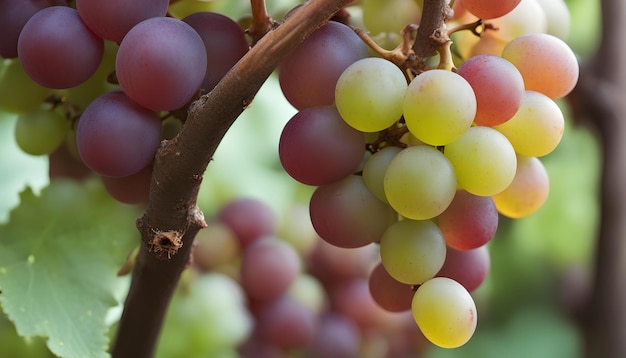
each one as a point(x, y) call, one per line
point(262, 23)
point(178, 169)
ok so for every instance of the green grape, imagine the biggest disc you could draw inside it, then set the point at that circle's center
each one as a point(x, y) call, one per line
point(445, 312)
point(18, 93)
point(439, 107)
point(412, 251)
point(528, 191)
point(390, 15)
point(40, 132)
point(484, 161)
point(374, 171)
point(369, 94)
point(537, 127)
point(420, 182)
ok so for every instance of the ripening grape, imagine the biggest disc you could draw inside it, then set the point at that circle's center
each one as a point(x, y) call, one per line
point(112, 19)
point(335, 336)
point(161, 63)
point(468, 267)
point(317, 147)
point(116, 137)
point(375, 168)
point(412, 251)
point(439, 107)
point(420, 182)
point(389, 293)
point(498, 86)
point(547, 64)
point(224, 41)
point(40, 132)
point(489, 9)
point(249, 218)
point(286, 323)
point(557, 16)
point(18, 92)
point(347, 215)
point(528, 191)
point(469, 222)
point(57, 50)
point(369, 94)
point(308, 75)
point(527, 18)
point(445, 312)
point(484, 161)
point(537, 127)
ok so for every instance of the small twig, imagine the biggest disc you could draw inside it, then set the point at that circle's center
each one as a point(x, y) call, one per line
point(262, 22)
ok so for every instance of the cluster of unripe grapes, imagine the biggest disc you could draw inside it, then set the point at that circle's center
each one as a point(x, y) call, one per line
point(422, 160)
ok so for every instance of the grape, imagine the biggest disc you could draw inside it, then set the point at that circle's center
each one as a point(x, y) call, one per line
point(488, 44)
point(389, 293)
point(333, 265)
point(390, 16)
point(268, 267)
point(439, 106)
point(469, 267)
point(161, 63)
point(375, 168)
point(57, 50)
point(412, 251)
point(527, 18)
point(133, 189)
point(65, 164)
point(310, 292)
point(249, 219)
point(317, 147)
point(445, 312)
point(537, 127)
point(528, 191)
point(215, 246)
point(335, 336)
point(40, 132)
point(224, 41)
point(346, 214)
point(498, 86)
point(19, 93)
point(116, 137)
point(558, 17)
point(112, 19)
point(286, 324)
point(419, 182)
point(13, 16)
point(308, 75)
point(546, 63)
point(353, 300)
point(369, 94)
point(469, 222)
point(484, 161)
point(489, 9)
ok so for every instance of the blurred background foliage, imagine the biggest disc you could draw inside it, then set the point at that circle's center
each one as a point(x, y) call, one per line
point(540, 266)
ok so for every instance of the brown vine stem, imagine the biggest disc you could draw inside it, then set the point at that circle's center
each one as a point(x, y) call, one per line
point(432, 34)
point(599, 99)
point(262, 23)
point(178, 170)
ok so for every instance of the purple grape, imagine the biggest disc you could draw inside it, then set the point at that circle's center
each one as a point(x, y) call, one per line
point(469, 267)
point(116, 137)
point(112, 19)
point(317, 147)
point(57, 50)
point(13, 16)
point(161, 63)
point(336, 337)
point(390, 294)
point(225, 44)
point(287, 324)
point(133, 189)
point(249, 218)
point(309, 74)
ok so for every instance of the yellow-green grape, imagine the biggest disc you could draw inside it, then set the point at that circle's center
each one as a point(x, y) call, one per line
point(484, 161)
point(526, 18)
point(557, 16)
point(18, 93)
point(445, 312)
point(439, 107)
point(412, 251)
point(537, 127)
point(528, 191)
point(389, 15)
point(420, 182)
point(40, 132)
point(369, 94)
point(375, 168)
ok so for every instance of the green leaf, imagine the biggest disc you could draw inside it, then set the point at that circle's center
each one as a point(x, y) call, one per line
point(59, 255)
point(18, 169)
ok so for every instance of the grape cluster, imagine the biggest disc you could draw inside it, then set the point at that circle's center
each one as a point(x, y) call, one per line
point(421, 161)
point(103, 82)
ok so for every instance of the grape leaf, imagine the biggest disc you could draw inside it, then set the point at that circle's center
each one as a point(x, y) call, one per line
point(17, 169)
point(59, 255)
